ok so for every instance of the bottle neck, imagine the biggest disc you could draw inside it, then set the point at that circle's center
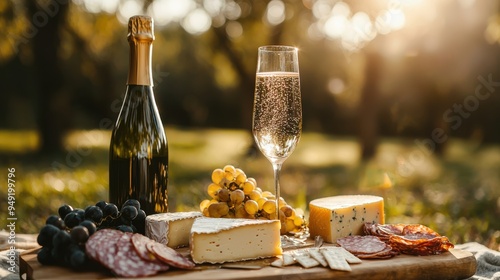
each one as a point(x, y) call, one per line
point(140, 62)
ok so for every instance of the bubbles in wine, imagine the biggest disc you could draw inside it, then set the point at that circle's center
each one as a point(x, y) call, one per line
point(277, 120)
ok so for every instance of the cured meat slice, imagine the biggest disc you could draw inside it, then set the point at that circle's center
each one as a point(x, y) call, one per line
point(416, 229)
point(169, 255)
point(357, 244)
point(386, 230)
point(383, 231)
point(387, 253)
point(367, 247)
point(419, 232)
point(423, 246)
point(139, 242)
point(101, 246)
point(127, 262)
point(413, 239)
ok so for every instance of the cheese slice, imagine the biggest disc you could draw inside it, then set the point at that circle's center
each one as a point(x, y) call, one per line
point(339, 216)
point(218, 240)
point(172, 229)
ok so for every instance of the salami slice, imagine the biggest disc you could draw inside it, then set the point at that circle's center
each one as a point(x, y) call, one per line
point(139, 242)
point(357, 244)
point(169, 255)
point(127, 262)
point(387, 253)
point(101, 246)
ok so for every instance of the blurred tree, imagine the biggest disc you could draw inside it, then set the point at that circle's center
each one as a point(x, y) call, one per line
point(97, 59)
point(392, 66)
point(369, 106)
point(53, 112)
point(246, 76)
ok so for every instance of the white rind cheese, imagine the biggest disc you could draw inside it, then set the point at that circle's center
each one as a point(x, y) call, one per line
point(218, 240)
point(172, 229)
point(339, 216)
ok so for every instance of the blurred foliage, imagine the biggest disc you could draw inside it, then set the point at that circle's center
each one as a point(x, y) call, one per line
point(457, 195)
point(432, 53)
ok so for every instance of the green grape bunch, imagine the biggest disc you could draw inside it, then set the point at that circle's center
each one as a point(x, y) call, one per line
point(234, 195)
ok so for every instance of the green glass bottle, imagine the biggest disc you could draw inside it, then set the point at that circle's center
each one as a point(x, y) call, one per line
point(138, 157)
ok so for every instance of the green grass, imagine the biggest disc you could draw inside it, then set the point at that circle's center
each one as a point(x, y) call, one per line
point(457, 194)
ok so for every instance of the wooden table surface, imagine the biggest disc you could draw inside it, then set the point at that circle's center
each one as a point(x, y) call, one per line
point(456, 264)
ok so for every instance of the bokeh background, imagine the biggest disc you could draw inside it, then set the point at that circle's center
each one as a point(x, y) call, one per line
point(400, 99)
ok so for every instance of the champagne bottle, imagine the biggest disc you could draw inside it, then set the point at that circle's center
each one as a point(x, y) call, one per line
point(138, 159)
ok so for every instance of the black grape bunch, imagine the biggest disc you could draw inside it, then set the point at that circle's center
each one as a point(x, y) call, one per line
point(64, 235)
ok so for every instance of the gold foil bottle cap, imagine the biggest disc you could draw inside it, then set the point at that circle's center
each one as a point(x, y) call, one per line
point(140, 38)
point(140, 28)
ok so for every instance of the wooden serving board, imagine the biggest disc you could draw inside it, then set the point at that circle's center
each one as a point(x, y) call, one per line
point(455, 264)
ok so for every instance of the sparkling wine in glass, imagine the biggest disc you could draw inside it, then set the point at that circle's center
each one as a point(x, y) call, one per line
point(277, 110)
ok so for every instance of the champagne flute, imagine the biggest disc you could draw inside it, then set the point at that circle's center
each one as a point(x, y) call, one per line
point(277, 108)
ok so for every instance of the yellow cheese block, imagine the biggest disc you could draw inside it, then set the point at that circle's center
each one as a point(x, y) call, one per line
point(218, 240)
point(339, 216)
point(171, 229)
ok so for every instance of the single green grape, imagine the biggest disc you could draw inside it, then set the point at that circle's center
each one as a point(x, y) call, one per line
point(217, 176)
point(223, 195)
point(248, 187)
point(241, 178)
point(287, 210)
point(217, 210)
point(213, 189)
point(269, 207)
point(255, 195)
point(237, 197)
point(251, 207)
point(267, 194)
point(251, 179)
point(261, 202)
point(230, 172)
point(298, 221)
point(204, 204)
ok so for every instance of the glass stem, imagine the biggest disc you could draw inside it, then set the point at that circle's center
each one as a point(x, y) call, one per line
point(277, 169)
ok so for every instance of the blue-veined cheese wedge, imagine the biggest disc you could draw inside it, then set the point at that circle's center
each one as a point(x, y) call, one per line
point(171, 229)
point(339, 216)
point(218, 240)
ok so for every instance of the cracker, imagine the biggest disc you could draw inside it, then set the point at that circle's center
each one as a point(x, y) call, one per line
point(288, 259)
point(277, 263)
point(316, 254)
point(303, 257)
point(349, 257)
point(335, 259)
